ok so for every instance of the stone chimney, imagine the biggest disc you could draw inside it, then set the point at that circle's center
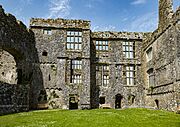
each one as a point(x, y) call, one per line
point(165, 13)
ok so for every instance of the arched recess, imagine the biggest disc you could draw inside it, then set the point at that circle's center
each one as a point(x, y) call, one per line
point(10, 66)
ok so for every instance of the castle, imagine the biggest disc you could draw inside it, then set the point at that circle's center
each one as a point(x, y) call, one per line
point(60, 63)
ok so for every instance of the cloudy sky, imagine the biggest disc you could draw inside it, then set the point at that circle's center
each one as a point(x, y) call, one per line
point(106, 15)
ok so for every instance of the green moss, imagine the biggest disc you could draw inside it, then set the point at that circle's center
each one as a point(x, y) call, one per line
point(92, 118)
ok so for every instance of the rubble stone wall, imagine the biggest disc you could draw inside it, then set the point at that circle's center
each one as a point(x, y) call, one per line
point(56, 65)
point(17, 53)
point(165, 67)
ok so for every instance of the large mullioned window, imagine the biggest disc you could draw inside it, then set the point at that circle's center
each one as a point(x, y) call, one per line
point(130, 75)
point(102, 45)
point(74, 40)
point(105, 75)
point(128, 50)
point(76, 65)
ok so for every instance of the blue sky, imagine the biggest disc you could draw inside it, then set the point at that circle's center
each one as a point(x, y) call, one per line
point(112, 15)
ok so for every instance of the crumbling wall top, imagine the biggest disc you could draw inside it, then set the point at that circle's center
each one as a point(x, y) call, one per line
point(158, 32)
point(59, 23)
point(117, 35)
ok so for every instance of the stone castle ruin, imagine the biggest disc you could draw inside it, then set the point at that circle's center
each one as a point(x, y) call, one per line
point(60, 63)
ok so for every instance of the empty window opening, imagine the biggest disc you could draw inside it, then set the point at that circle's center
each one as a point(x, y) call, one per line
point(151, 78)
point(149, 54)
point(105, 80)
point(47, 31)
point(130, 75)
point(128, 50)
point(76, 79)
point(118, 101)
point(74, 40)
point(3, 73)
point(102, 45)
point(102, 100)
point(76, 66)
point(49, 77)
point(131, 99)
point(44, 53)
point(105, 75)
point(157, 103)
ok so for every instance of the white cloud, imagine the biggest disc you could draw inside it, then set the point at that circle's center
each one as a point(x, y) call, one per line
point(59, 8)
point(144, 23)
point(104, 28)
point(136, 2)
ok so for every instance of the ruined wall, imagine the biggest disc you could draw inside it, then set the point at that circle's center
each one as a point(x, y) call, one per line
point(17, 53)
point(117, 62)
point(56, 64)
point(165, 14)
point(164, 64)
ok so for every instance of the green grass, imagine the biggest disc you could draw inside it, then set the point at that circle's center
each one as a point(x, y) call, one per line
point(92, 118)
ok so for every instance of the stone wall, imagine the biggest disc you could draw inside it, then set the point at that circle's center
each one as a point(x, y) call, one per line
point(164, 64)
point(56, 65)
point(117, 63)
point(17, 53)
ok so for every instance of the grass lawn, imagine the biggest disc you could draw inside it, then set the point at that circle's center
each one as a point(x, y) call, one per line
point(92, 118)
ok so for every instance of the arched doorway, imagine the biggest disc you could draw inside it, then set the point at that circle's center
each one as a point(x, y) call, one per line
point(118, 99)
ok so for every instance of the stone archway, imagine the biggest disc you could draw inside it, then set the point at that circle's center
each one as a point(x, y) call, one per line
point(20, 74)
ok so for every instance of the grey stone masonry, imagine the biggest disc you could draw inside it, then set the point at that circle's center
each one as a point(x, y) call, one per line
point(61, 63)
point(56, 62)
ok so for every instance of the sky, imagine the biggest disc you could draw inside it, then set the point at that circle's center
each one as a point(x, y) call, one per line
point(105, 15)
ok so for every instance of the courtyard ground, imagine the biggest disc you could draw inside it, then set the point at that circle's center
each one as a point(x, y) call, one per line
point(92, 118)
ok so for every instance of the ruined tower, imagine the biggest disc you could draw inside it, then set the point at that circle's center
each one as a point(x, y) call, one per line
point(165, 13)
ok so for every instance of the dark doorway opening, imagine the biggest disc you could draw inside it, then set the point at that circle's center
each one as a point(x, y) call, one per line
point(102, 100)
point(157, 103)
point(73, 102)
point(118, 99)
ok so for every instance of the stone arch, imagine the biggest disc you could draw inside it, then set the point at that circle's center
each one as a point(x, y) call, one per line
point(19, 43)
point(8, 68)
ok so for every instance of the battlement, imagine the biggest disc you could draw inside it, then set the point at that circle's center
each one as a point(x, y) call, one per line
point(59, 23)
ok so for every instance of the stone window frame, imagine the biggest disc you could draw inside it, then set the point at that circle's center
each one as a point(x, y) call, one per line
point(47, 31)
point(102, 45)
point(74, 39)
point(129, 49)
point(105, 75)
point(104, 70)
point(130, 75)
point(76, 64)
point(151, 78)
point(149, 54)
point(76, 67)
point(76, 79)
point(105, 80)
